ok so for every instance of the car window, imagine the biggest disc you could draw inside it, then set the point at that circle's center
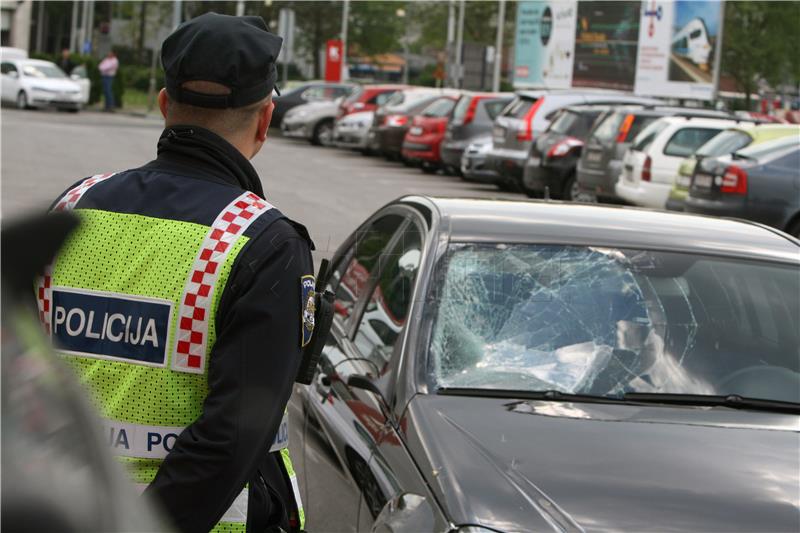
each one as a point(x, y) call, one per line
point(460, 109)
point(360, 262)
point(5, 68)
point(518, 108)
point(606, 322)
point(439, 108)
point(390, 302)
point(313, 93)
point(80, 71)
point(686, 141)
point(563, 121)
point(494, 107)
point(43, 71)
point(354, 95)
point(759, 150)
point(645, 138)
point(607, 128)
point(726, 142)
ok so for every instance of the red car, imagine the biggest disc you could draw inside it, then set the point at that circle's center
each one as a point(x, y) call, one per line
point(423, 141)
point(367, 98)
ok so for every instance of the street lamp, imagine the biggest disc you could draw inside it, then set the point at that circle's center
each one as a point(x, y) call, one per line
point(401, 13)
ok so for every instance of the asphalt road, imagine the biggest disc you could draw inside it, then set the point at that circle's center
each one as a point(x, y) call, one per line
point(329, 190)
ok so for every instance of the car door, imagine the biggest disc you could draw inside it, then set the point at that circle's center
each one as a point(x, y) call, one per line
point(340, 422)
point(10, 81)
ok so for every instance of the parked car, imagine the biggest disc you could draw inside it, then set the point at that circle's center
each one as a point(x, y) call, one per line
point(555, 153)
point(393, 119)
point(527, 117)
point(472, 118)
point(728, 141)
point(312, 121)
point(352, 130)
point(760, 183)
point(473, 161)
point(542, 366)
point(422, 142)
point(80, 76)
point(32, 83)
point(314, 91)
point(601, 159)
point(368, 98)
point(650, 164)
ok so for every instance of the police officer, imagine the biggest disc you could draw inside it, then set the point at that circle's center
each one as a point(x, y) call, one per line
point(180, 301)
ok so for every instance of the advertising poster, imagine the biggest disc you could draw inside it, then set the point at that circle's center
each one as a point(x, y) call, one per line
point(676, 48)
point(606, 44)
point(545, 42)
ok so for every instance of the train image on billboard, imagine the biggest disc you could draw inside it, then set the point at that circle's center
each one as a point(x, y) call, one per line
point(692, 42)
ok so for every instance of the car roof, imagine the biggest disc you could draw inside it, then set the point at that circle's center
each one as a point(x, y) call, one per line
point(764, 132)
point(526, 221)
point(723, 122)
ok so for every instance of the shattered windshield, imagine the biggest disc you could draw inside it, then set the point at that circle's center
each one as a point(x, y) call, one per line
point(607, 322)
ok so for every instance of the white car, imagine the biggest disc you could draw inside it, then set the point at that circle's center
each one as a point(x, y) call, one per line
point(37, 83)
point(352, 130)
point(312, 121)
point(651, 163)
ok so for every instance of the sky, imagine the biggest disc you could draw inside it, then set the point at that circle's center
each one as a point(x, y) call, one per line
point(686, 10)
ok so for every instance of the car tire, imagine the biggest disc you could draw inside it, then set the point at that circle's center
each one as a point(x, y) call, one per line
point(429, 168)
point(794, 228)
point(22, 100)
point(323, 134)
point(571, 189)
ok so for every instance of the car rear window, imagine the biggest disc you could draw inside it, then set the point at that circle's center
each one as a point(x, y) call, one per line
point(460, 110)
point(608, 127)
point(757, 151)
point(439, 108)
point(645, 138)
point(518, 108)
point(607, 321)
point(355, 95)
point(686, 141)
point(494, 107)
point(726, 142)
point(639, 123)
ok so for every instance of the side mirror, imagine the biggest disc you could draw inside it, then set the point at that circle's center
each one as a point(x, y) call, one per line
point(360, 381)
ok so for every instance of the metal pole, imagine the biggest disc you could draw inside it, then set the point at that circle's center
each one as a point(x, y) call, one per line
point(451, 33)
point(90, 25)
point(176, 13)
point(460, 45)
point(40, 26)
point(498, 45)
point(345, 74)
point(240, 8)
point(84, 24)
point(718, 52)
point(73, 34)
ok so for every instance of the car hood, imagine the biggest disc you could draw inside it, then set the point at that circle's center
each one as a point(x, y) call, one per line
point(531, 465)
point(53, 84)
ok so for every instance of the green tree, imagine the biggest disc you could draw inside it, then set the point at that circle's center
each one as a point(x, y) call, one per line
point(761, 42)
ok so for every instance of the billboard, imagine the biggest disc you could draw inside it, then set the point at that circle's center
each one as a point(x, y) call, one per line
point(545, 43)
point(677, 43)
point(650, 47)
point(606, 45)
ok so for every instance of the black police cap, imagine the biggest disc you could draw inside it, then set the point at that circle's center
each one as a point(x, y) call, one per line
point(237, 52)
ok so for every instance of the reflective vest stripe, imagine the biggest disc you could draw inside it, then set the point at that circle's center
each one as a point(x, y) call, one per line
point(236, 513)
point(155, 442)
point(191, 339)
point(67, 202)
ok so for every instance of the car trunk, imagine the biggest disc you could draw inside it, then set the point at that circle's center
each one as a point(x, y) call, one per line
point(510, 131)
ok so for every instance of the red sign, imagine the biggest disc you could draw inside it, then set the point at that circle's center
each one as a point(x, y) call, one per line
point(333, 60)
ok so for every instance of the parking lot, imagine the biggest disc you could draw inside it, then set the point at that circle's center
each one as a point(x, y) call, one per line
point(331, 191)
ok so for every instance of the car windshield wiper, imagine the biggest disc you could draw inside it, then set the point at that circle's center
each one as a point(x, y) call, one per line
point(730, 400)
point(545, 395)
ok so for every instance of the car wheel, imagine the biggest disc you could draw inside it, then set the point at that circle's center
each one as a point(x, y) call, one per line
point(323, 134)
point(794, 229)
point(22, 100)
point(571, 189)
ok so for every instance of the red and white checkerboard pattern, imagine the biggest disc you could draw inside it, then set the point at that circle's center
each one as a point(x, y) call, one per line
point(191, 338)
point(68, 201)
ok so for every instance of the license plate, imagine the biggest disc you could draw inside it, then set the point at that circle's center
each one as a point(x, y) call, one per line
point(703, 181)
point(594, 157)
point(534, 161)
point(416, 130)
point(684, 181)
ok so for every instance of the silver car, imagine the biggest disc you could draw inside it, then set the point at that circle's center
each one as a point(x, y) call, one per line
point(312, 121)
point(352, 131)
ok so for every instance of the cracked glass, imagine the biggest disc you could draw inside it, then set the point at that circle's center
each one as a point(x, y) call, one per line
point(603, 321)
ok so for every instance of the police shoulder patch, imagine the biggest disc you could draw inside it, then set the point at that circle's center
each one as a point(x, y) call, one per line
point(308, 308)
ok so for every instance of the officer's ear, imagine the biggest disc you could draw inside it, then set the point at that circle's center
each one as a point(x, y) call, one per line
point(264, 118)
point(163, 102)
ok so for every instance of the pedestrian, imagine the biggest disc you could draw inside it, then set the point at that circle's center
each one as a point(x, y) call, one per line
point(185, 299)
point(108, 69)
point(66, 62)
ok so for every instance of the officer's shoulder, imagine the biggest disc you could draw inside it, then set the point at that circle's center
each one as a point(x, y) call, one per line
point(282, 229)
